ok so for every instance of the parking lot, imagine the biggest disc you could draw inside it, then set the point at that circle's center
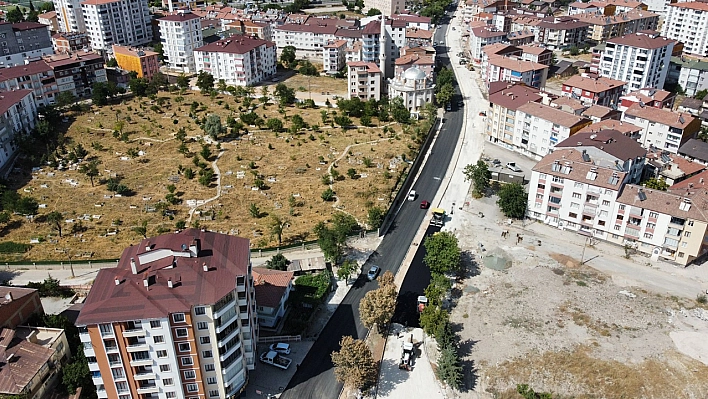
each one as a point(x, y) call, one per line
point(266, 379)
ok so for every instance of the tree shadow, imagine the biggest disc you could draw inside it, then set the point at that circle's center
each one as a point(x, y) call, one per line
point(8, 227)
point(469, 369)
point(391, 375)
point(470, 266)
point(8, 275)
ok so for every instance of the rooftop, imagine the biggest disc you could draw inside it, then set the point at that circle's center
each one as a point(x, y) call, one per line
point(603, 20)
point(238, 44)
point(178, 258)
point(648, 95)
point(59, 60)
point(667, 202)
point(694, 148)
point(610, 141)
point(674, 166)
point(593, 85)
point(415, 33)
point(20, 360)
point(696, 181)
point(34, 67)
point(642, 40)
point(570, 103)
point(514, 96)
point(370, 66)
point(180, 17)
point(693, 5)
point(487, 31)
point(612, 124)
point(16, 292)
point(664, 116)
point(10, 98)
point(579, 170)
point(600, 111)
point(552, 115)
point(270, 285)
point(515, 64)
point(135, 52)
point(20, 26)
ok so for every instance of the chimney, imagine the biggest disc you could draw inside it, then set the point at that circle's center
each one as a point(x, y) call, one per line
point(147, 246)
point(146, 282)
point(205, 267)
point(169, 283)
point(8, 296)
point(32, 337)
point(194, 248)
point(133, 267)
point(117, 281)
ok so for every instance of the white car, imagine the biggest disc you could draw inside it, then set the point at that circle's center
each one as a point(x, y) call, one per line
point(412, 195)
point(283, 349)
point(512, 166)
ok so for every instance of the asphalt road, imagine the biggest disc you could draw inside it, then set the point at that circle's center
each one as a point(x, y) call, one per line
point(315, 376)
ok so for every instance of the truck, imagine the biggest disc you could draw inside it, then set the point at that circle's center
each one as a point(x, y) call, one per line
point(274, 359)
point(438, 219)
point(407, 354)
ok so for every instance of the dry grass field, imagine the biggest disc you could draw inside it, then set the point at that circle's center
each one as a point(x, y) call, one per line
point(289, 165)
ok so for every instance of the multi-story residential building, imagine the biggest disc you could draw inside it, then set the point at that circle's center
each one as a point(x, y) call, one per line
point(250, 28)
point(419, 37)
point(686, 22)
point(354, 52)
point(387, 7)
point(180, 34)
point(601, 91)
point(695, 150)
point(537, 54)
point(414, 86)
point(70, 42)
point(641, 59)
point(23, 41)
point(691, 74)
point(335, 56)
point(497, 49)
point(122, 22)
point(661, 128)
point(483, 36)
point(671, 168)
point(76, 73)
point(31, 359)
point(18, 114)
point(69, 16)
point(561, 32)
point(603, 28)
point(649, 97)
point(176, 318)
point(413, 21)
point(501, 116)
point(310, 36)
point(50, 19)
point(36, 76)
point(579, 7)
point(143, 62)
point(17, 305)
point(272, 289)
point(177, 5)
point(514, 69)
point(364, 80)
point(520, 37)
point(628, 129)
point(597, 113)
point(239, 60)
point(540, 127)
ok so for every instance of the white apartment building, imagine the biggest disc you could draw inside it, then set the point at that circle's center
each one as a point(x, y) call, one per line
point(387, 7)
point(501, 116)
point(122, 22)
point(686, 22)
point(239, 60)
point(483, 36)
point(34, 75)
point(540, 127)
point(661, 128)
point(334, 56)
point(180, 34)
point(693, 74)
point(175, 319)
point(18, 114)
point(364, 80)
point(641, 59)
point(308, 39)
point(69, 16)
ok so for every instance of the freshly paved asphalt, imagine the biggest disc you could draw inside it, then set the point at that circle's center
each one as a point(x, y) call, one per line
point(315, 376)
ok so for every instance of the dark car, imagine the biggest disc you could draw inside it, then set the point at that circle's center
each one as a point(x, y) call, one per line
point(373, 272)
point(460, 103)
point(424, 204)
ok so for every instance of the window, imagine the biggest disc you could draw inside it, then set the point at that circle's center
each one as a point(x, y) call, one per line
point(653, 215)
point(184, 347)
point(577, 195)
point(542, 176)
point(181, 332)
point(178, 317)
point(578, 185)
point(168, 382)
point(190, 375)
point(202, 325)
point(158, 339)
point(207, 354)
point(684, 244)
point(574, 205)
point(648, 235)
point(204, 340)
point(155, 324)
point(542, 186)
point(572, 215)
point(161, 353)
point(680, 255)
point(213, 393)
point(199, 310)
point(164, 367)
point(170, 395)
point(187, 361)
point(557, 179)
point(211, 380)
point(687, 234)
point(617, 227)
point(209, 367)
point(192, 388)
point(605, 203)
point(621, 207)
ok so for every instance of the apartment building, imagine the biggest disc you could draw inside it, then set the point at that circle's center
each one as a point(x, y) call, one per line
point(180, 34)
point(69, 16)
point(18, 115)
point(695, 150)
point(419, 37)
point(49, 18)
point(560, 33)
point(628, 129)
point(143, 62)
point(250, 28)
point(122, 22)
point(537, 54)
point(272, 289)
point(601, 91)
point(64, 43)
point(540, 127)
point(76, 73)
point(334, 56)
point(515, 69)
point(671, 168)
point(578, 7)
point(520, 37)
point(690, 73)
point(501, 116)
point(23, 41)
point(641, 59)
point(387, 7)
point(686, 22)
point(603, 28)
point(17, 305)
point(239, 60)
point(311, 36)
point(483, 36)
point(364, 80)
point(661, 128)
point(175, 319)
point(34, 75)
point(649, 97)
point(413, 21)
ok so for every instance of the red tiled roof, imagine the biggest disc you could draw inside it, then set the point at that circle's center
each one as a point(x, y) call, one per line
point(579, 169)
point(665, 116)
point(553, 115)
point(34, 67)
point(235, 45)
point(372, 28)
point(270, 285)
point(666, 202)
point(180, 17)
point(28, 359)
point(411, 18)
point(694, 5)
point(597, 85)
point(10, 98)
point(370, 66)
point(515, 96)
point(641, 40)
point(694, 182)
point(227, 257)
point(19, 26)
point(612, 142)
point(515, 64)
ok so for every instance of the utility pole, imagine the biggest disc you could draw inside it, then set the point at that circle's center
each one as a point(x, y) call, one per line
point(582, 257)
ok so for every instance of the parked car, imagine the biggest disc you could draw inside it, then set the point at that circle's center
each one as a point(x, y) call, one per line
point(448, 107)
point(460, 103)
point(496, 162)
point(424, 204)
point(512, 166)
point(282, 348)
point(373, 272)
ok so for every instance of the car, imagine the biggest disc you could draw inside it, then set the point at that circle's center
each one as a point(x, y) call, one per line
point(282, 348)
point(373, 272)
point(274, 80)
point(424, 204)
point(512, 166)
point(496, 162)
point(460, 103)
point(411, 195)
point(482, 113)
point(435, 43)
point(448, 107)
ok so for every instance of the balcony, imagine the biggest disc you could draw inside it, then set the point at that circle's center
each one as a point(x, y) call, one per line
point(102, 394)
point(137, 332)
point(141, 362)
point(112, 349)
point(97, 380)
point(151, 388)
point(227, 323)
point(139, 347)
point(85, 337)
point(93, 367)
point(148, 375)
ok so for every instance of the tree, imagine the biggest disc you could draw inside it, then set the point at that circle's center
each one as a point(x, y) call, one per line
point(274, 124)
point(512, 200)
point(328, 195)
point(656, 184)
point(112, 63)
point(254, 211)
point(372, 12)
point(449, 368)
point(346, 269)
point(277, 225)
point(142, 229)
point(377, 306)
point(297, 122)
point(574, 51)
point(4, 217)
point(278, 262)
point(480, 175)
point(15, 15)
point(26, 206)
point(213, 127)
point(328, 243)
point(77, 374)
point(444, 94)
point(205, 82)
point(287, 57)
point(342, 120)
point(432, 318)
point(205, 152)
point(138, 86)
point(386, 279)
point(183, 81)
point(285, 95)
point(399, 112)
point(100, 93)
point(65, 98)
point(528, 393)
point(55, 219)
point(374, 217)
point(442, 252)
point(354, 364)
point(307, 69)
point(159, 49)
point(351, 172)
point(90, 169)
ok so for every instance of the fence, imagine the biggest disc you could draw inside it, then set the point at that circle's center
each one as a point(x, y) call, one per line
point(406, 186)
point(280, 338)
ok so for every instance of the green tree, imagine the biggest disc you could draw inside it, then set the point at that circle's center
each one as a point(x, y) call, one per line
point(377, 306)
point(479, 174)
point(277, 225)
point(142, 229)
point(254, 211)
point(26, 206)
point(354, 364)
point(328, 194)
point(432, 318)
point(307, 69)
point(274, 124)
point(449, 368)
point(205, 152)
point(14, 15)
point(183, 81)
point(444, 94)
point(100, 93)
point(181, 224)
point(65, 98)
point(399, 112)
point(55, 219)
point(374, 217)
point(112, 63)
point(205, 82)
point(346, 269)
point(528, 393)
point(372, 12)
point(287, 57)
point(285, 95)
point(512, 200)
point(442, 252)
point(90, 169)
point(656, 184)
point(138, 86)
point(76, 374)
point(342, 120)
point(574, 51)
point(351, 172)
point(278, 262)
point(213, 127)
